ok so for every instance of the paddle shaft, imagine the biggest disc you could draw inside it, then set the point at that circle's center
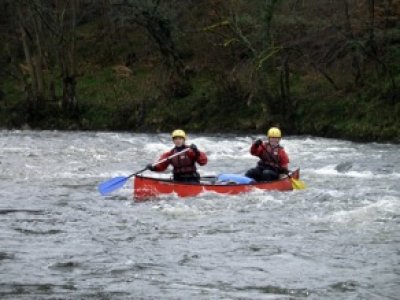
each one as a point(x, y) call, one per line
point(117, 182)
point(159, 162)
point(296, 184)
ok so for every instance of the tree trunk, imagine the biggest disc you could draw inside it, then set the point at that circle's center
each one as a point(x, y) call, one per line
point(371, 25)
point(355, 59)
point(67, 58)
point(326, 75)
point(269, 10)
point(38, 57)
point(286, 105)
point(69, 93)
point(32, 89)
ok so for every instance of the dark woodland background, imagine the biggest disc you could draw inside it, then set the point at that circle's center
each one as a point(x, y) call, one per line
point(320, 67)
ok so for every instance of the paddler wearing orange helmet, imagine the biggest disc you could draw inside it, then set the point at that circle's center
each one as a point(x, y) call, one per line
point(185, 164)
point(273, 158)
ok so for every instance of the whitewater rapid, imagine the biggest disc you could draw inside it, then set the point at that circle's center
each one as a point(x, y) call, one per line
point(338, 239)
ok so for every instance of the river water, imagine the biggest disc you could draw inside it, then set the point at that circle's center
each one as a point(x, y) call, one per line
point(59, 239)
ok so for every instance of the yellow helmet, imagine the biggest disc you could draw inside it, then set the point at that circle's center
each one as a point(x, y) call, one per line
point(178, 133)
point(274, 132)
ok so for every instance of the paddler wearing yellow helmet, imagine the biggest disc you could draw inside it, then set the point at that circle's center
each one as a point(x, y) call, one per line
point(184, 165)
point(273, 160)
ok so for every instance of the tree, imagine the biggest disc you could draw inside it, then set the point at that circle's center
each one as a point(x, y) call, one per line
point(47, 33)
point(155, 16)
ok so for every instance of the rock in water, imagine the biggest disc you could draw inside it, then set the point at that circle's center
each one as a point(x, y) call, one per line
point(344, 167)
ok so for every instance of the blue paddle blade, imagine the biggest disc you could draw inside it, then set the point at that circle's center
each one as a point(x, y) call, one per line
point(111, 185)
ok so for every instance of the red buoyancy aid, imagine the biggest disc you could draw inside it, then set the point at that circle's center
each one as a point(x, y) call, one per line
point(182, 163)
point(269, 157)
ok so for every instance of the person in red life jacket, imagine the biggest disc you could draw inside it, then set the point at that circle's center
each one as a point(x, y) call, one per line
point(273, 158)
point(184, 165)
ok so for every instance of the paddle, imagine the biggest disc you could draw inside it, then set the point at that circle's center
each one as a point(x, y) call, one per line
point(296, 183)
point(117, 182)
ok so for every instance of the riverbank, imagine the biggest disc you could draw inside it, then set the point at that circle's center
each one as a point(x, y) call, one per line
point(372, 120)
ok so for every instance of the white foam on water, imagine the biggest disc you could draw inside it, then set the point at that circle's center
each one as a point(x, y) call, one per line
point(100, 157)
point(221, 147)
point(263, 198)
point(326, 170)
point(157, 148)
point(255, 196)
point(133, 140)
point(397, 175)
point(234, 156)
point(334, 193)
point(368, 213)
point(32, 167)
point(177, 209)
point(77, 149)
point(313, 141)
point(355, 174)
point(215, 195)
point(331, 170)
point(74, 174)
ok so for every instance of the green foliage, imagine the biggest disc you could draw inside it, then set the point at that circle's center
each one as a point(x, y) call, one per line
point(221, 66)
point(356, 118)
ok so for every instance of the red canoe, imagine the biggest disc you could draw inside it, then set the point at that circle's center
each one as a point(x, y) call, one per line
point(146, 188)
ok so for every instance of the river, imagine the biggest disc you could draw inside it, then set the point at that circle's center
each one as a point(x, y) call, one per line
point(59, 239)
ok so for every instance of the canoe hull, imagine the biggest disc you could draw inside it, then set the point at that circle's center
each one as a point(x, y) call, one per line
point(146, 188)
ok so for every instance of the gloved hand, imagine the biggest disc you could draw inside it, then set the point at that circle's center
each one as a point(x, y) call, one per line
point(150, 167)
point(258, 142)
point(195, 150)
point(284, 171)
